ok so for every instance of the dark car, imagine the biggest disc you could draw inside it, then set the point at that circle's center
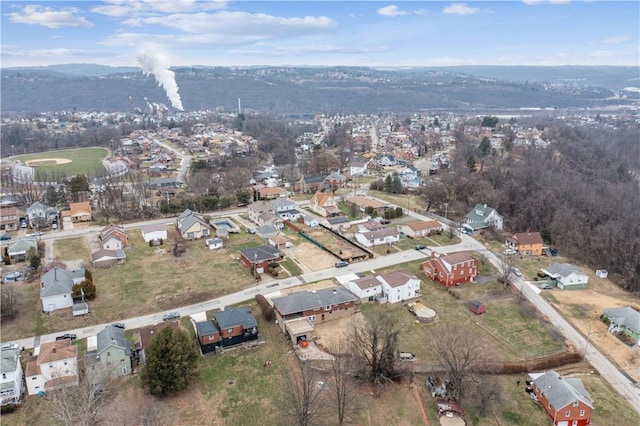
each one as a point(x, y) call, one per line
point(421, 247)
point(119, 325)
point(170, 316)
point(342, 264)
point(5, 237)
point(67, 336)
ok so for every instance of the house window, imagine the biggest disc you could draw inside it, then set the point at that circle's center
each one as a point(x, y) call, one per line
point(210, 337)
point(230, 331)
point(50, 365)
point(567, 413)
point(312, 317)
point(574, 423)
point(581, 413)
point(65, 362)
point(327, 308)
point(4, 376)
point(575, 404)
point(34, 378)
point(108, 353)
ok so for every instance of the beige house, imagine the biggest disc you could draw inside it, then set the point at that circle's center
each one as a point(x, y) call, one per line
point(192, 226)
point(418, 228)
point(324, 204)
point(80, 212)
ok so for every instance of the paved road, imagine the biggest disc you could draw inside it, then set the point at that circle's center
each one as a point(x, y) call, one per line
point(184, 163)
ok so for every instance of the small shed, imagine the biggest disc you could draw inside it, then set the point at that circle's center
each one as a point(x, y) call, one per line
point(477, 307)
point(80, 309)
point(602, 273)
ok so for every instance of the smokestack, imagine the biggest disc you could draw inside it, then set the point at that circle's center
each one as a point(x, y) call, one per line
point(158, 65)
point(239, 107)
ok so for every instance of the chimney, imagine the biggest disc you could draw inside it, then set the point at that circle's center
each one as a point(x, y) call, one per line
point(54, 349)
point(485, 206)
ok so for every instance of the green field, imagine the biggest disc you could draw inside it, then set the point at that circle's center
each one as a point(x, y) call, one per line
point(85, 161)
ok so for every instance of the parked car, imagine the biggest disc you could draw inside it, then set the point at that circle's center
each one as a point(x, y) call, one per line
point(5, 237)
point(421, 247)
point(251, 230)
point(119, 325)
point(38, 233)
point(385, 221)
point(12, 277)
point(517, 272)
point(406, 356)
point(342, 264)
point(509, 252)
point(170, 316)
point(546, 287)
point(67, 336)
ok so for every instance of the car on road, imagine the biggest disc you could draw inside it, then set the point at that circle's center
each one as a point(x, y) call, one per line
point(67, 336)
point(119, 325)
point(170, 316)
point(12, 277)
point(251, 230)
point(38, 233)
point(5, 237)
point(421, 247)
point(517, 272)
point(342, 264)
point(509, 252)
point(546, 287)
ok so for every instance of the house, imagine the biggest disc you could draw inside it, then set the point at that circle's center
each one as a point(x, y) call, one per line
point(602, 273)
point(256, 209)
point(208, 336)
point(399, 286)
point(213, 243)
point(297, 312)
point(310, 184)
point(361, 202)
point(358, 166)
point(236, 325)
point(451, 269)
point(19, 249)
point(266, 231)
point(366, 289)
point(477, 307)
point(567, 276)
point(335, 181)
point(41, 215)
point(146, 335)
point(285, 209)
point(105, 258)
point(279, 241)
point(418, 228)
point(378, 237)
point(112, 356)
point(258, 258)
point(526, 243)
point(155, 233)
point(114, 237)
point(310, 220)
point(79, 309)
point(338, 223)
point(324, 204)
point(9, 218)
point(269, 193)
point(270, 219)
point(370, 226)
point(624, 320)
point(56, 286)
point(192, 226)
point(55, 366)
point(565, 399)
point(482, 217)
point(11, 384)
point(80, 212)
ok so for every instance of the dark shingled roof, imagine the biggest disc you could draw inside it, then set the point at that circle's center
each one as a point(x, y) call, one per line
point(306, 300)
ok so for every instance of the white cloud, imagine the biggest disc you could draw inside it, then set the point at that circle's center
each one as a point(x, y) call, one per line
point(123, 8)
point(537, 2)
point(617, 40)
point(391, 11)
point(48, 17)
point(460, 9)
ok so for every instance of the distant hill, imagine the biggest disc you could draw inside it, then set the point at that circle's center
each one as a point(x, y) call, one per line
point(310, 90)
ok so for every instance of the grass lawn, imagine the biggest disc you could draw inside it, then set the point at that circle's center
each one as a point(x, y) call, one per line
point(412, 201)
point(72, 248)
point(83, 161)
point(291, 266)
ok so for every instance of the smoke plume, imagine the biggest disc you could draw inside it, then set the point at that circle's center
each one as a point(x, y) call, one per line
point(158, 65)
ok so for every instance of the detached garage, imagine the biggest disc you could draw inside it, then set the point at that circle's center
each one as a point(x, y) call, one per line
point(477, 307)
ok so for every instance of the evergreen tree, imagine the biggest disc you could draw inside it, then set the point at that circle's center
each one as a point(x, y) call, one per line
point(396, 185)
point(471, 163)
point(388, 184)
point(485, 147)
point(171, 362)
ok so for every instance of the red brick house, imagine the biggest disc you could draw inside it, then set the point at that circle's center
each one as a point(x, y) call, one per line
point(452, 269)
point(227, 328)
point(258, 258)
point(565, 400)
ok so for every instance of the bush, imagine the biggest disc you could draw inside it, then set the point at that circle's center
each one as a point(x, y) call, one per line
point(399, 212)
point(6, 260)
point(87, 275)
point(267, 311)
point(9, 408)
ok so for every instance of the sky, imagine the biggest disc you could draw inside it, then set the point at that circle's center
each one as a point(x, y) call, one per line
point(350, 33)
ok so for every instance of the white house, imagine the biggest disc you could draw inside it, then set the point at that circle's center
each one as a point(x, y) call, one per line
point(11, 387)
point(484, 217)
point(399, 286)
point(310, 221)
point(366, 289)
point(567, 276)
point(55, 288)
point(154, 233)
point(213, 243)
point(378, 237)
point(55, 366)
point(258, 208)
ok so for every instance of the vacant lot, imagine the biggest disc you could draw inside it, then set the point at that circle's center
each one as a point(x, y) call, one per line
point(82, 161)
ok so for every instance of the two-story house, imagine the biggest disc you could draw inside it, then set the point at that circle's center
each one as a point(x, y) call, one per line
point(113, 237)
point(258, 208)
point(192, 226)
point(324, 204)
point(11, 384)
point(565, 399)
point(41, 215)
point(229, 327)
point(9, 218)
point(482, 217)
point(391, 287)
point(112, 356)
point(55, 366)
point(285, 208)
point(452, 269)
point(56, 286)
point(526, 243)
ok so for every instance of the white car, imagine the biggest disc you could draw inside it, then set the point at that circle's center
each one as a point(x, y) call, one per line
point(509, 252)
point(517, 272)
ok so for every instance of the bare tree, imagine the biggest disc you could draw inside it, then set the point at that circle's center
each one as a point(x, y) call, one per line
point(505, 271)
point(374, 343)
point(9, 300)
point(487, 393)
point(341, 381)
point(302, 397)
point(457, 351)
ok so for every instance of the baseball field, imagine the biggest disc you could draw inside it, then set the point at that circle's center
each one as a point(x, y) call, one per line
point(68, 162)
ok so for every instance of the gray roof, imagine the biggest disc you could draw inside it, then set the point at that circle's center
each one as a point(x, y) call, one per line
point(260, 254)
point(206, 328)
point(561, 269)
point(10, 360)
point(627, 316)
point(22, 245)
point(232, 317)
point(112, 336)
point(58, 281)
point(266, 230)
point(105, 254)
point(478, 216)
point(186, 221)
point(306, 300)
point(561, 392)
point(282, 202)
point(338, 219)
